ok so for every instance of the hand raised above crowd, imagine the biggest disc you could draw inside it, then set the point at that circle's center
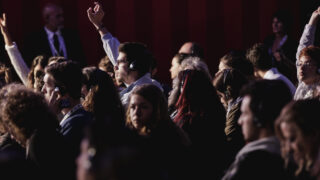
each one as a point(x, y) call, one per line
point(4, 30)
point(315, 17)
point(96, 15)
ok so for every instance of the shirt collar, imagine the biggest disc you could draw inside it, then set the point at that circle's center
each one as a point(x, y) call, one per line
point(51, 34)
point(75, 108)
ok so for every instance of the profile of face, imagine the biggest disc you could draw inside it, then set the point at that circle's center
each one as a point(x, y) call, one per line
point(223, 99)
point(48, 87)
point(122, 70)
point(292, 142)
point(249, 130)
point(54, 17)
point(277, 26)
point(175, 68)
point(38, 74)
point(140, 111)
point(307, 70)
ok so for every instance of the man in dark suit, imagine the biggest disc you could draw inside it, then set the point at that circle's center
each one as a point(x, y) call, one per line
point(53, 39)
point(62, 90)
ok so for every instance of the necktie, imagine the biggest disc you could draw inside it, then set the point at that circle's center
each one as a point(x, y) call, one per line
point(56, 44)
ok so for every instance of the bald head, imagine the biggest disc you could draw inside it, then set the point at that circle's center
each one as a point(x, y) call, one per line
point(193, 49)
point(53, 17)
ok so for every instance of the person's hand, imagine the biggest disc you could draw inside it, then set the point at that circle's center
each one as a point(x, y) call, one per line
point(3, 24)
point(4, 30)
point(96, 15)
point(315, 17)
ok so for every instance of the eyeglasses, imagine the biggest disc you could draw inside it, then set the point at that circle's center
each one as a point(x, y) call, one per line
point(308, 64)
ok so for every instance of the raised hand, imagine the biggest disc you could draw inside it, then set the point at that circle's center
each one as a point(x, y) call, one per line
point(315, 17)
point(4, 30)
point(96, 15)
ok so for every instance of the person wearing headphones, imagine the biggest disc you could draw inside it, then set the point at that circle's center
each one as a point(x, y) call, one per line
point(133, 65)
point(260, 158)
point(308, 61)
point(261, 60)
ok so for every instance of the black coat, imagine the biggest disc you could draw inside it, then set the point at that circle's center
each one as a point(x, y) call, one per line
point(37, 43)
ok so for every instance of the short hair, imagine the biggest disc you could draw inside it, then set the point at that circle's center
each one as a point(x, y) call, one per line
point(237, 60)
point(25, 111)
point(304, 114)
point(267, 98)
point(56, 59)
point(312, 52)
point(138, 56)
point(67, 76)
point(160, 115)
point(47, 6)
point(259, 56)
point(230, 81)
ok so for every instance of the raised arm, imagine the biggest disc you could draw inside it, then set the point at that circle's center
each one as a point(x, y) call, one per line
point(14, 54)
point(110, 43)
point(308, 34)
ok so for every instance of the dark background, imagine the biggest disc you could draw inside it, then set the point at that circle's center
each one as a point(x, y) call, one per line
point(164, 25)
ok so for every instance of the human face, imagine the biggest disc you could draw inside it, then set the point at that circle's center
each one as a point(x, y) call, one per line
point(140, 111)
point(291, 140)
point(122, 70)
point(249, 130)
point(223, 99)
point(37, 73)
point(307, 70)
point(222, 67)
point(175, 67)
point(277, 26)
point(54, 18)
point(48, 87)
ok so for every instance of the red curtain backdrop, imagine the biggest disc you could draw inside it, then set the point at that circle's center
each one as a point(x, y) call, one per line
point(164, 25)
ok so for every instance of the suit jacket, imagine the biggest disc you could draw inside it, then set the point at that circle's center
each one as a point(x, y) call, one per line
point(73, 128)
point(38, 44)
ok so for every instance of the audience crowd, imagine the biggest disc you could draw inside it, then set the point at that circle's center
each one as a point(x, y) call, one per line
point(255, 118)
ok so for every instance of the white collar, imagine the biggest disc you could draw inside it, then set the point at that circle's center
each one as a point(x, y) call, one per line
point(51, 34)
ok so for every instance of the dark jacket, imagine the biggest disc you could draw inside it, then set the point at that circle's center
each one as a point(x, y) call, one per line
point(38, 44)
point(258, 160)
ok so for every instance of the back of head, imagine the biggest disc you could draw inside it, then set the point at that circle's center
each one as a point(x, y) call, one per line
point(230, 82)
point(195, 63)
point(26, 110)
point(198, 94)
point(268, 97)
point(138, 56)
point(103, 98)
point(193, 49)
point(68, 78)
point(237, 60)
point(259, 56)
